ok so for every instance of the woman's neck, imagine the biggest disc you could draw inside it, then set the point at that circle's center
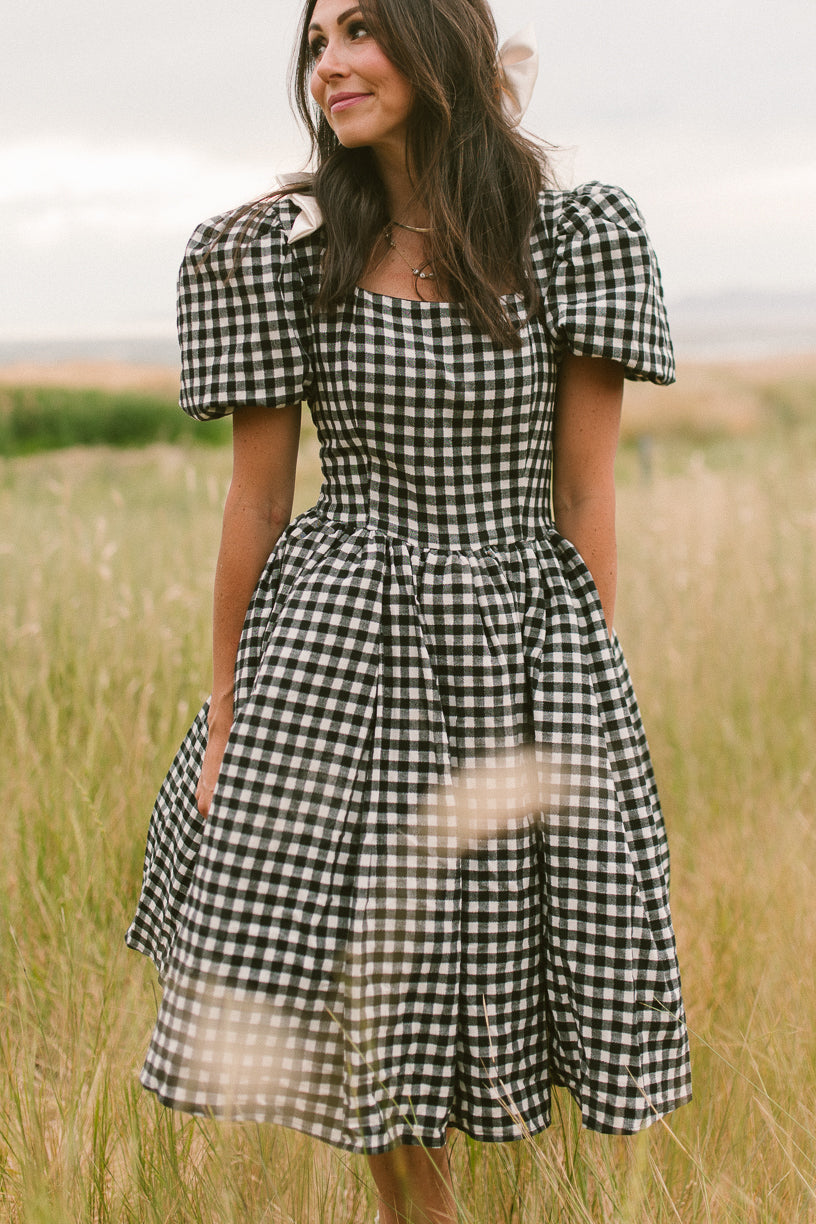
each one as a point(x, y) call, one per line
point(400, 190)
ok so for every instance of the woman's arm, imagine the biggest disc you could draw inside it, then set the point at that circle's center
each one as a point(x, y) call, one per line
point(258, 507)
point(587, 421)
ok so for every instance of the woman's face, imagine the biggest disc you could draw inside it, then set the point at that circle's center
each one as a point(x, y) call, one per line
point(365, 99)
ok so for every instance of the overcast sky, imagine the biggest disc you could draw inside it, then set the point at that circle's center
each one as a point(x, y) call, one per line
point(122, 125)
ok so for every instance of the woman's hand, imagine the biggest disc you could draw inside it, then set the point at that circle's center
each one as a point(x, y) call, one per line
point(211, 767)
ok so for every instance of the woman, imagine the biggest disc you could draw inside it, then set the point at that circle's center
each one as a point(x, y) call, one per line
point(408, 870)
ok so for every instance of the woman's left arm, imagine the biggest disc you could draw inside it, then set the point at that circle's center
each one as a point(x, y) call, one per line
point(587, 422)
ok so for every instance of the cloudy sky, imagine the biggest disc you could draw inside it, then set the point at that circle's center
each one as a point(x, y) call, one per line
point(122, 125)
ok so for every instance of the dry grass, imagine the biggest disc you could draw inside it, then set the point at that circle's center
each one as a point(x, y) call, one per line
point(106, 569)
point(91, 375)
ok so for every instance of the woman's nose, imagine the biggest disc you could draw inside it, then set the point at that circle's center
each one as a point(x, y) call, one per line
point(331, 62)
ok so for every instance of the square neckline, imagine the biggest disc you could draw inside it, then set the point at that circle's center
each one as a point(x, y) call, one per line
point(390, 297)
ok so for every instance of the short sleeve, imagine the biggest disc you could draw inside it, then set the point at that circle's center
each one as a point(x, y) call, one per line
point(603, 296)
point(243, 320)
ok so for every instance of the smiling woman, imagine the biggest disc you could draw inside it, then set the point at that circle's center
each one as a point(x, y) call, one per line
point(366, 100)
point(408, 870)
point(434, 102)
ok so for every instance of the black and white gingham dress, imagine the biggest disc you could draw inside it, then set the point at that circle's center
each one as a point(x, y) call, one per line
point(434, 879)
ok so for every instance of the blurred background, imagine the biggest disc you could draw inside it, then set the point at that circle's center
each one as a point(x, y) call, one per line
point(123, 125)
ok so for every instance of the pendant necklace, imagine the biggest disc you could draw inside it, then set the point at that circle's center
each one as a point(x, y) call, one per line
point(389, 237)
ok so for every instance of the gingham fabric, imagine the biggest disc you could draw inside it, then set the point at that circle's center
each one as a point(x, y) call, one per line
point(434, 879)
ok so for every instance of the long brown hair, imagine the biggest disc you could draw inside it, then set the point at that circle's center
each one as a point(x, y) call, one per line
point(476, 174)
point(478, 177)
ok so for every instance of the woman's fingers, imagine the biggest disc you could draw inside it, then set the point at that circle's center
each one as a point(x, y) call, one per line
point(204, 793)
point(210, 768)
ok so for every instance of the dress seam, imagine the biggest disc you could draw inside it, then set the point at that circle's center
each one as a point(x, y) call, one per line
point(548, 530)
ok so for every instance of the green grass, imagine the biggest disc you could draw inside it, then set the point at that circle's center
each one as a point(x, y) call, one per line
point(106, 561)
point(37, 419)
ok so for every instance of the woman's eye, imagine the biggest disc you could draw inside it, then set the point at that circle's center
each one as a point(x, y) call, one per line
point(354, 31)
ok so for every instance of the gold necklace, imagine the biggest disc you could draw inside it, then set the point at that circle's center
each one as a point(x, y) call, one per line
point(389, 237)
point(415, 229)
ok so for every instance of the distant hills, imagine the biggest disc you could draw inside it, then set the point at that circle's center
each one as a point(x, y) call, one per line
point(129, 350)
point(743, 324)
point(737, 324)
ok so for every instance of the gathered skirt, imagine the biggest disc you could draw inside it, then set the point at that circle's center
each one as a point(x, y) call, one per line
point(434, 878)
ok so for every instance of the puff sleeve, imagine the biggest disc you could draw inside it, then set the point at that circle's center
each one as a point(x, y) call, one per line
point(604, 296)
point(243, 321)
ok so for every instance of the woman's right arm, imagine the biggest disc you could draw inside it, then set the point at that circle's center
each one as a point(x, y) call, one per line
point(258, 507)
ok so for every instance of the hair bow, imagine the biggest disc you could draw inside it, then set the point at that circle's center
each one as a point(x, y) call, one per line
point(518, 69)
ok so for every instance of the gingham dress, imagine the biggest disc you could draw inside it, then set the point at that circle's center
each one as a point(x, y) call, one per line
point(434, 878)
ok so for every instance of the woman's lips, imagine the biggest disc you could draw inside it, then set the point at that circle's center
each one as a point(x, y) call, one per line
point(346, 100)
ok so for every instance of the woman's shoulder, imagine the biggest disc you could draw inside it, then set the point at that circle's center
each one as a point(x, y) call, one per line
point(272, 241)
point(601, 281)
point(590, 206)
point(266, 222)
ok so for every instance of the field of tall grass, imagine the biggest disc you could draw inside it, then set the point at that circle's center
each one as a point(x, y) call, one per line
point(106, 557)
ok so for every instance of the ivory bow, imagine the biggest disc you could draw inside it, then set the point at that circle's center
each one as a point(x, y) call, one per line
point(310, 218)
point(518, 69)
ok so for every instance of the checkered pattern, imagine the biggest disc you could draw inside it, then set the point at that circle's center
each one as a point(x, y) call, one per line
point(605, 297)
point(434, 881)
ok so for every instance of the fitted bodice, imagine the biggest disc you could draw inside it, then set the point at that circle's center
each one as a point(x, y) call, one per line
point(428, 431)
